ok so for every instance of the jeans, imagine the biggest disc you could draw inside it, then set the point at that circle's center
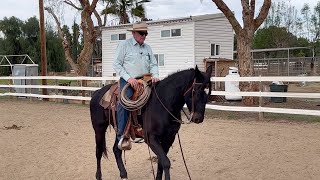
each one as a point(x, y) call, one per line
point(122, 114)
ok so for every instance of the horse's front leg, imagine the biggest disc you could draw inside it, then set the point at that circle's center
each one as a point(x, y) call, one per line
point(163, 160)
point(118, 153)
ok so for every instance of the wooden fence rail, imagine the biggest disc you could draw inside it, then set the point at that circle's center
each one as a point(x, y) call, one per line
point(259, 79)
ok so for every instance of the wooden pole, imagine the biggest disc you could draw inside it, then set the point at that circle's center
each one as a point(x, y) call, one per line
point(43, 48)
point(260, 100)
point(84, 84)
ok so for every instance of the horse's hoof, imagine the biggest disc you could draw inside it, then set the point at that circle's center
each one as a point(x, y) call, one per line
point(124, 179)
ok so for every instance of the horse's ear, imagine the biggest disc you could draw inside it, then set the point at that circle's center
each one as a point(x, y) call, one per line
point(197, 70)
point(209, 71)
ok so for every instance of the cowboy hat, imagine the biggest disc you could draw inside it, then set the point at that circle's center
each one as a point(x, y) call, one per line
point(139, 26)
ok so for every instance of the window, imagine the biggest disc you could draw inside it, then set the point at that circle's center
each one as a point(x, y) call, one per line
point(175, 32)
point(122, 36)
point(115, 37)
point(171, 33)
point(165, 33)
point(160, 59)
point(215, 49)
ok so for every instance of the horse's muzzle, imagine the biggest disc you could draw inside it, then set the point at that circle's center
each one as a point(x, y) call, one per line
point(197, 118)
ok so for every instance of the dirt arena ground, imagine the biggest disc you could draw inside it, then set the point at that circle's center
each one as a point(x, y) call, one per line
point(46, 140)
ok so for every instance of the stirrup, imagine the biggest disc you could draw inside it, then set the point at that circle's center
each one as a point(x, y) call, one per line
point(124, 143)
point(138, 140)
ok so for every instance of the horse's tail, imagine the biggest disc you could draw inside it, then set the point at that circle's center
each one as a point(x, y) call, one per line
point(105, 152)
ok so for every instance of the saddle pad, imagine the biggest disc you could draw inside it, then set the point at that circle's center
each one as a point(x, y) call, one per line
point(107, 97)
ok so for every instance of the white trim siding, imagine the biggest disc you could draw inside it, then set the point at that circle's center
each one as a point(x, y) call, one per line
point(212, 31)
point(180, 52)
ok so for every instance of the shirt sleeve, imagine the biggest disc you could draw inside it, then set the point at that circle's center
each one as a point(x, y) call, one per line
point(154, 70)
point(119, 60)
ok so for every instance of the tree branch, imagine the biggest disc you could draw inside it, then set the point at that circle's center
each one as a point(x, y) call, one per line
point(60, 32)
point(245, 13)
point(93, 6)
point(71, 4)
point(229, 15)
point(98, 17)
point(104, 20)
point(65, 42)
point(263, 14)
point(252, 9)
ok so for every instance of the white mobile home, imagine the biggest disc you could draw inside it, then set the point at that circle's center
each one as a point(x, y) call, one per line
point(178, 44)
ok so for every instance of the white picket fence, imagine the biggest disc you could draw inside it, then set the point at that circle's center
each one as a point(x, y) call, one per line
point(208, 106)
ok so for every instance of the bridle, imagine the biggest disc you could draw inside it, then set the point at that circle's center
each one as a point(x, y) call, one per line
point(189, 117)
point(192, 89)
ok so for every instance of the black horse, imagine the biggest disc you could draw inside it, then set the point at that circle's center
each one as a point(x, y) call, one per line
point(161, 115)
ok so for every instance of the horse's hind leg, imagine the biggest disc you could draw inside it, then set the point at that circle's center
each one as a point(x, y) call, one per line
point(118, 153)
point(100, 149)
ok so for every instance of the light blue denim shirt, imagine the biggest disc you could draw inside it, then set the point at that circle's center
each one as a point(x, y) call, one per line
point(134, 60)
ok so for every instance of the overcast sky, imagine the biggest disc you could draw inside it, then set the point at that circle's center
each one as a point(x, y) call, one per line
point(157, 9)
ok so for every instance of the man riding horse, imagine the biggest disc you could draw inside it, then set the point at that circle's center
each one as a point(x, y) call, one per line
point(161, 115)
point(133, 59)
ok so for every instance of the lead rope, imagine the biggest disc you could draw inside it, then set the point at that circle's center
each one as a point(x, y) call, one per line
point(176, 119)
point(188, 116)
point(184, 161)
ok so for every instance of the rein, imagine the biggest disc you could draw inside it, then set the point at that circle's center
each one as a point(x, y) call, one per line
point(179, 121)
point(189, 117)
point(175, 118)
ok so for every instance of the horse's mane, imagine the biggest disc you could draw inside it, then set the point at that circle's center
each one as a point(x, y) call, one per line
point(173, 86)
point(179, 75)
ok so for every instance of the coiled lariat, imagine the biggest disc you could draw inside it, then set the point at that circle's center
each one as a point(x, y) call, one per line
point(143, 93)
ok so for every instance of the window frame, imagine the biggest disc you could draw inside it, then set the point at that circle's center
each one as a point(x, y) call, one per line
point(175, 35)
point(171, 32)
point(165, 36)
point(118, 37)
point(157, 57)
point(216, 49)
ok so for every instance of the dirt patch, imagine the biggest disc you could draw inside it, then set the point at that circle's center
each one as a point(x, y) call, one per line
point(15, 127)
point(59, 144)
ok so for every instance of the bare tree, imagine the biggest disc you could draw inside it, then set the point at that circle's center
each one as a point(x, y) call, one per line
point(315, 20)
point(245, 36)
point(89, 30)
point(306, 12)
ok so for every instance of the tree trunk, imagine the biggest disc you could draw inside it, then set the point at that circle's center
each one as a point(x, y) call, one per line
point(90, 33)
point(245, 37)
point(245, 65)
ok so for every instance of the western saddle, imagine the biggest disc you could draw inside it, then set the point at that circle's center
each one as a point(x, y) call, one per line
point(110, 102)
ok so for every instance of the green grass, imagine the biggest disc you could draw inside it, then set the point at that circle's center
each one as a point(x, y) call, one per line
point(4, 81)
point(49, 81)
point(57, 82)
point(292, 117)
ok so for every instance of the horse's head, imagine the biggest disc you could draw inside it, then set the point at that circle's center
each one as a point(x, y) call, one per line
point(197, 95)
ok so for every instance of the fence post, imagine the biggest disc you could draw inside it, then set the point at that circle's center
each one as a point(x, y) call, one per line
point(56, 90)
point(11, 90)
point(84, 84)
point(260, 100)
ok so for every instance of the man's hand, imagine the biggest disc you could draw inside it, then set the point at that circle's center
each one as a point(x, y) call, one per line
point(155, 79)
point(133, 82)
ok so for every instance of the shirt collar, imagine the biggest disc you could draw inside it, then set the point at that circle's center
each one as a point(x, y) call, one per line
point(134, 42)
